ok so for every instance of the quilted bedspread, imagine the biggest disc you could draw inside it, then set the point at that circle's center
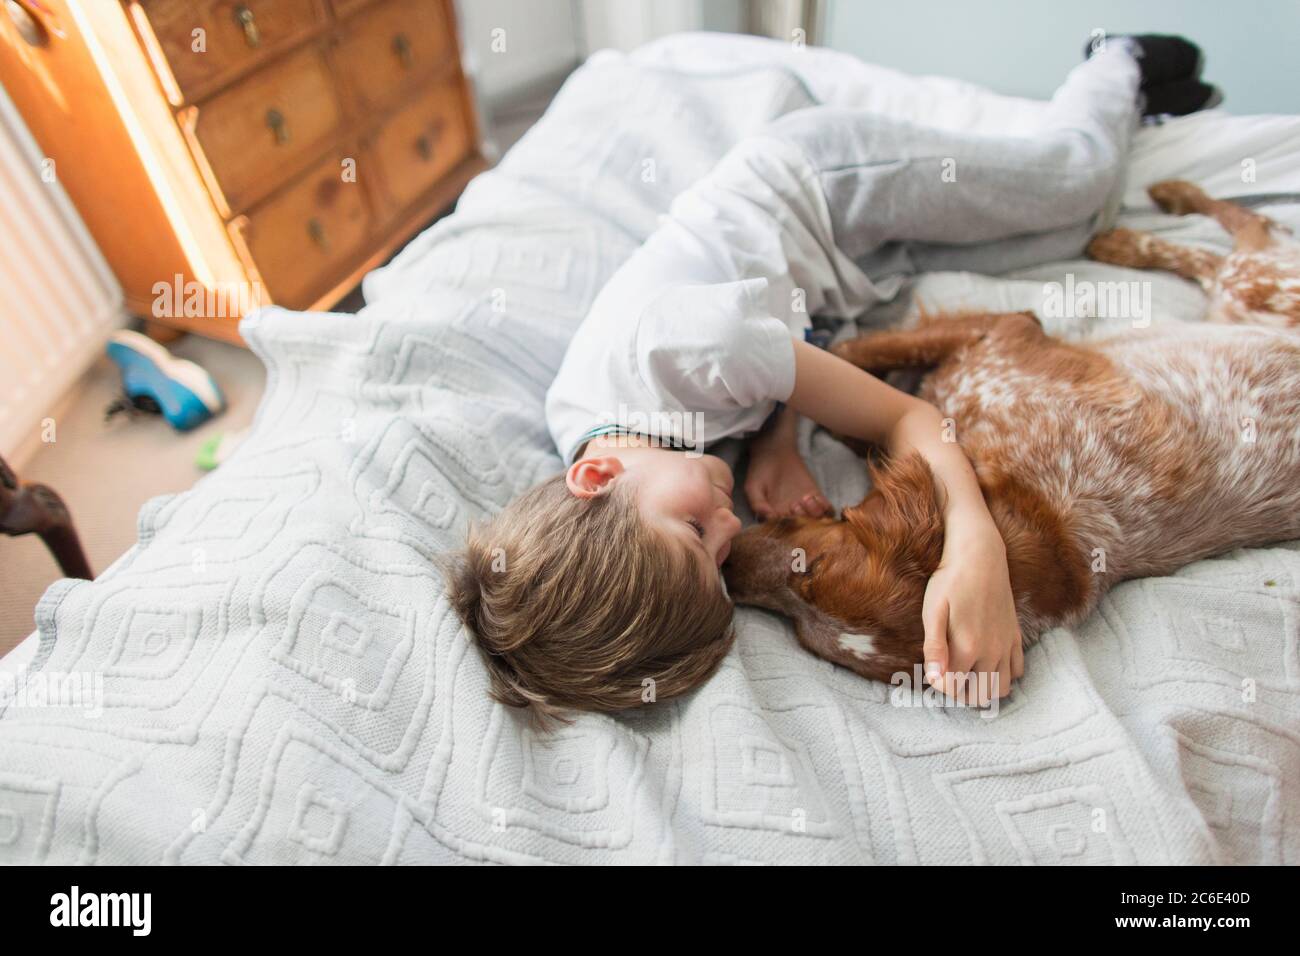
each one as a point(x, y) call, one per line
point(273, 674)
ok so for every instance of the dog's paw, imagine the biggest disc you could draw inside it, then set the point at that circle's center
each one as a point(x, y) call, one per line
point(851, 350)
point(843, 349)
point(1120, 247)
point(1177, 197)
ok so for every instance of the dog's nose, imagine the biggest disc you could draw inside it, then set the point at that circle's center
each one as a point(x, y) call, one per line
point(759, 564)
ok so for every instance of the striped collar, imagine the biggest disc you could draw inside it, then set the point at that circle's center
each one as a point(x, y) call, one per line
point(598, 431)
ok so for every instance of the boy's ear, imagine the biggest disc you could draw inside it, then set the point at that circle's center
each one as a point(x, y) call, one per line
point(589, 477)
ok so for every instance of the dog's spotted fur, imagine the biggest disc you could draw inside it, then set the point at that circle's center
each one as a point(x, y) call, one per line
point(1122, 457)
point(1257, 283)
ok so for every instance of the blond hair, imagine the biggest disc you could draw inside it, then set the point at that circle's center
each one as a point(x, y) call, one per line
point(575, 603)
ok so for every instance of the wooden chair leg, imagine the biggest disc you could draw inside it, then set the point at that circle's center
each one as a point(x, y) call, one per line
point(37, 509)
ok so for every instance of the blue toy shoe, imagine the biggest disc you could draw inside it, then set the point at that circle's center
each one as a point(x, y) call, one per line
point(156, 381)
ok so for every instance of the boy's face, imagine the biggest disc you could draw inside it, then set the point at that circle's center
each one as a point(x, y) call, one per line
point(686, 497)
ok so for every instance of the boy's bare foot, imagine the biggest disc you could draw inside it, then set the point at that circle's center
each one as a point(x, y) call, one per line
point(779, 484)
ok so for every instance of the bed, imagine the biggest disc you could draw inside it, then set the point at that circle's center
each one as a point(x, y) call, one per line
point(273, 675)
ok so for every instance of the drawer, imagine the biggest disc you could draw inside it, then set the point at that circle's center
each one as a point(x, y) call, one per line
point(387, 49)
point(343, 8)
point(255, 135)
point(421, 144)
point(302, 241)
point(237, 35)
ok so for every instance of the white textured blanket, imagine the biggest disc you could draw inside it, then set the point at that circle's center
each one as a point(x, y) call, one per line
point(274, 675)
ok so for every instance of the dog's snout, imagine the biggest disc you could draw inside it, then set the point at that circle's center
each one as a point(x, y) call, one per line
point(758, 566)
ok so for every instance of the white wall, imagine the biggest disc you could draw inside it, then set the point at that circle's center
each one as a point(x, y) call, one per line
point(545, 38)
point(540, 40)
point(60, 301)
point(1025, 47)
point(626, 24)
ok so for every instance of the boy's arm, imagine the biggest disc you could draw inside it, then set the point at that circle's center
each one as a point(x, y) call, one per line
point(970, 616)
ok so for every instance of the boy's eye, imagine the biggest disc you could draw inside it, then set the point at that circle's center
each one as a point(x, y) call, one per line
point(699, 528)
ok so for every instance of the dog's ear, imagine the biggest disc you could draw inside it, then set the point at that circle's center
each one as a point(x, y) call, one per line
point(868, 517)
point(901, 518)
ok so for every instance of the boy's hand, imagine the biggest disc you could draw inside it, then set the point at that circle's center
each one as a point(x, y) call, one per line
point(970, 621)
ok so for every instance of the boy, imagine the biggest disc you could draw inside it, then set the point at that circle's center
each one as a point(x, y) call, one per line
point(611, 592)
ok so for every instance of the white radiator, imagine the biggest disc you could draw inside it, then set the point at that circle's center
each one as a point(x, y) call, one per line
point(58, 299)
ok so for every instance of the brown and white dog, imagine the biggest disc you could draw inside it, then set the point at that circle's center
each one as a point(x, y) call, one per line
point(1121, 457)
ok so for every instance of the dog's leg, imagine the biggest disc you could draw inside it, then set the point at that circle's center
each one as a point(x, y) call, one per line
point(936, 337)
point(1250, 230)
point(1142, 250)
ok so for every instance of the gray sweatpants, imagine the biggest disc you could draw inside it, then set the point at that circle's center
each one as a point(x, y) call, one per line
point(902, 197)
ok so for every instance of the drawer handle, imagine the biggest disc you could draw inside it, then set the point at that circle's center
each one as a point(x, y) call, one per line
point(317, 233)
point(402, 47)
point(244, 17)
point(279, 128)
point(424, 145)
point(28, 27)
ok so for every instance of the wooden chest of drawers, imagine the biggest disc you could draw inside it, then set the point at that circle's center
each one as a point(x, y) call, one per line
point(234, 152)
